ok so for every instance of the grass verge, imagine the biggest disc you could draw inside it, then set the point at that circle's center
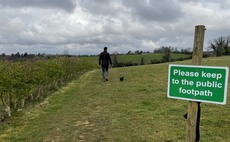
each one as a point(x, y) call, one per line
point(136, 110)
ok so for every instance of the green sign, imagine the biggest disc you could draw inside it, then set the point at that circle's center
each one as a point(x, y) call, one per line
point(198, 83)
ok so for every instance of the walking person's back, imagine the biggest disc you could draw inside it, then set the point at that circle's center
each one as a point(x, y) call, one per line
point(104, 61)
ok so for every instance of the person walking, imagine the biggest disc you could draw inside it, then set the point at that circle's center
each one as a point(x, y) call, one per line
point(104, 61)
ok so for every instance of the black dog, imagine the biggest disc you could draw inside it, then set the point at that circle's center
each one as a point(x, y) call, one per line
point(121, 78)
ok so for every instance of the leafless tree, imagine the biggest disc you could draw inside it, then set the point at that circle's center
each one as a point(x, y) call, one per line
point(220, 46)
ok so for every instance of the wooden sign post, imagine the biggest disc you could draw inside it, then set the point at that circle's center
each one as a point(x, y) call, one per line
point(194, 107)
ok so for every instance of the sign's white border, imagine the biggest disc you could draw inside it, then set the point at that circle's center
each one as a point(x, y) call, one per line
point(196, 66)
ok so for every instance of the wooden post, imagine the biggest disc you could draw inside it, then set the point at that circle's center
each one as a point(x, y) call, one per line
point(193, 106)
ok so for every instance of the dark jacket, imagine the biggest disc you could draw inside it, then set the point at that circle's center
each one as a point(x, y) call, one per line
point(105, 59)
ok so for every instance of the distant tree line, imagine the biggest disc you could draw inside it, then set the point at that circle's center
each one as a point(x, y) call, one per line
point(166, 52)
point(173, 50)
point(219, 46)
point(25, 56)
point(136, 52)
point(166, 56)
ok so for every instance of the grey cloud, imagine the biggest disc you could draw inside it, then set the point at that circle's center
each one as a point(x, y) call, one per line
point(225, 4)
point(162, 11)
point(122, 25)
point(152, 10)
point(102, 7)
point(67, 5)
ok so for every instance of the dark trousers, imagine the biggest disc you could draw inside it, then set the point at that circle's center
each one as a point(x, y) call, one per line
point(105, 71)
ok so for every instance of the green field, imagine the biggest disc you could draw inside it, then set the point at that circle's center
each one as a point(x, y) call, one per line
point(135, 110)
point(137, 58)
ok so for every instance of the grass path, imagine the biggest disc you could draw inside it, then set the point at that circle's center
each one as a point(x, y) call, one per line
point(135, 110)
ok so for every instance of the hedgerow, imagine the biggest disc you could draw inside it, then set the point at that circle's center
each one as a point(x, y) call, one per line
point(23, 82)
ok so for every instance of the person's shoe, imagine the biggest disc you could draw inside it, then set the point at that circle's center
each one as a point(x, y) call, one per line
point(106, 79)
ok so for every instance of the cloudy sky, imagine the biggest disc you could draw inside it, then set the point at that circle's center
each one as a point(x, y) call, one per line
point(86, 26)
